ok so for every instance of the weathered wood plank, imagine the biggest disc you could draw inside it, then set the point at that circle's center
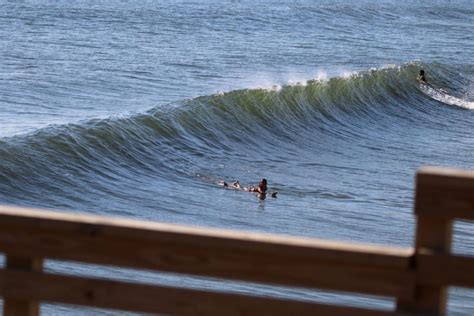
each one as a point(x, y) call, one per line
point(101, 226)
point(446, 193)
point(19, 306)
point(159, 299)
point(208, 252)
point(445, 269)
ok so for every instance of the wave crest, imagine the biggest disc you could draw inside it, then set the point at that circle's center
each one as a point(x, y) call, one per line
point(232, 122)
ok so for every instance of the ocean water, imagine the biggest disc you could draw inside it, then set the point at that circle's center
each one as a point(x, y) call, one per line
point(139, 109)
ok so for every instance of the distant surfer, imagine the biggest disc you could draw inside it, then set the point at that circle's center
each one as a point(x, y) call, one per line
point(260, 189)
point(421, 77)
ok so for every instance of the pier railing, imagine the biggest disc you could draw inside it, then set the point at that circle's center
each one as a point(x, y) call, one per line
point(417, 278)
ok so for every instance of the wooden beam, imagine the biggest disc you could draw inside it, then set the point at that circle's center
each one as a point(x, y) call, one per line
point(18, 306)
point(159, 299)
point(228, 254)
point(445, 269)
point(446, 193)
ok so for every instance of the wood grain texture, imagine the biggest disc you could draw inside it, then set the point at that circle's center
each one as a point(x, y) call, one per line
point(159, 299)
point(235, 255)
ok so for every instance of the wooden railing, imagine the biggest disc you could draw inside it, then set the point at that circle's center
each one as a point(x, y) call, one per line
point(416, 277)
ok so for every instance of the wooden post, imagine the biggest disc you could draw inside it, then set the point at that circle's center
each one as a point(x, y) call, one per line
point(433, 233)
point(21, 307)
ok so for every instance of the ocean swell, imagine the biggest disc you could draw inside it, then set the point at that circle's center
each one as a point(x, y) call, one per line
point(169, 141)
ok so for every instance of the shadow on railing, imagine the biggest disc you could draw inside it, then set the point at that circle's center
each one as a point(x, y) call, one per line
point(416, 277)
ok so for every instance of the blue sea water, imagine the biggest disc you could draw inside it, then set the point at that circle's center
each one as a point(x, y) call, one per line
point(139, 109)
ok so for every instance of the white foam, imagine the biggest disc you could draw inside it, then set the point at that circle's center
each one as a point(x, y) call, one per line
point(348, 74)
point(263, 81)
point(321, 75)
point(390, 66)
point(275, 88)
point(442, 96)
point(297, 82)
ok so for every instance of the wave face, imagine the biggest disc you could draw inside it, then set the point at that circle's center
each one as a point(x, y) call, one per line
point(231, 134)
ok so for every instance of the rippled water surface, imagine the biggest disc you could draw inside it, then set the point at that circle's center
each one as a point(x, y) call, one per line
point(139, 109)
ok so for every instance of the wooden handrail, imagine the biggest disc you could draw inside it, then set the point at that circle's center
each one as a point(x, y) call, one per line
point(229, 254)
point(27, 236)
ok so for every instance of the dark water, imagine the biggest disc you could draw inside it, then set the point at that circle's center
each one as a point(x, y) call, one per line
point(138, 109)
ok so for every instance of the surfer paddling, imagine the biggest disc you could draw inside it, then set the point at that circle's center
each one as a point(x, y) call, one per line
point(421, 77)
point(260, 189)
